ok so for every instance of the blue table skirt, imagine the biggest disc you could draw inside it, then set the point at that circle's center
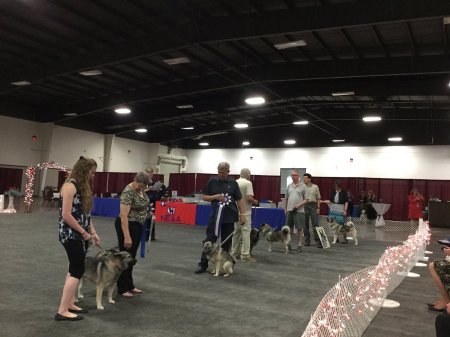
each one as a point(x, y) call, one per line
point(108, 207)
point(275, 217)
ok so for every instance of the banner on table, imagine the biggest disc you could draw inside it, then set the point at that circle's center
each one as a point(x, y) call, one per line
point(175, 212)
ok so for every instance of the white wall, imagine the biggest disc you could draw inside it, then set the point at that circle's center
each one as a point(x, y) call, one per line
point(65, 145)
point(411, 162)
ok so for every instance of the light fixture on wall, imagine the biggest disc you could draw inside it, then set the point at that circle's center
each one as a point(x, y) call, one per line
point(245, 143)
point(289, 142)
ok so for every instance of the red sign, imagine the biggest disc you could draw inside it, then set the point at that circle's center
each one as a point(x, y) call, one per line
point(175, 212)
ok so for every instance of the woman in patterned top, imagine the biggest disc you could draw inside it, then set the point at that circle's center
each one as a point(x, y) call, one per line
point(75, 232)
point(129, 224)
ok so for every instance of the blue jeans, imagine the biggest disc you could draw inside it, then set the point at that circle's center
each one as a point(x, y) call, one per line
point(311, 212)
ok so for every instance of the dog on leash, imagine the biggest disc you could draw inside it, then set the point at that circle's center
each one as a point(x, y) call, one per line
point(104, 270)
point(254, 238)
point(222, 260)
point(272, 235)
point(346, 229)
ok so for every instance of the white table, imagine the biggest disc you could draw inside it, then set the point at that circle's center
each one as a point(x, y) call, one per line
point(381, 209)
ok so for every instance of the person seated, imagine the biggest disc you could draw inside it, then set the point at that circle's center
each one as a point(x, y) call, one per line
point(442, 323)
point(440, 273)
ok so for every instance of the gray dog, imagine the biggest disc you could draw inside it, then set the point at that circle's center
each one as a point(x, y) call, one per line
point(272, 235)
point(104, 270)
point(222, 260)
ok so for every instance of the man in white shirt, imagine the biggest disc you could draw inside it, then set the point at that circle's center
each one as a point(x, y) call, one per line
point(241, 238)
point(295, 213)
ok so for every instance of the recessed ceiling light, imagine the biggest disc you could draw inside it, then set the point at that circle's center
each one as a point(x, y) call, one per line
point(21, 83)
point(241, 125)
point(122, 111)
point(289, 142)
point(185, 106)
point(255, 100)
point(203, 144)
point(188, 128)
point(71, 114)
point(141, 130)
point(338, 140)
point(92, 72)
point(343, 93)
point(245, 143)
point(371, 119)
point(395, 139)
point(301, 123)
point(177, 60)
point(290, 44)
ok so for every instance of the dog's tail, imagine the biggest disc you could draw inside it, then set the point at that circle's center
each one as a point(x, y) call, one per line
point(285, 230)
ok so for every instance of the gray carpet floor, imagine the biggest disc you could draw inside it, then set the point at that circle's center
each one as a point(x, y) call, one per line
point(273, 297)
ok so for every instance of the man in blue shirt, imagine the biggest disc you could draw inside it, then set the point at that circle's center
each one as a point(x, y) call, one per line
point(226, 202)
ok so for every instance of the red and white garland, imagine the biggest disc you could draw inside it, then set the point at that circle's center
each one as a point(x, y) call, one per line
point(31, 172)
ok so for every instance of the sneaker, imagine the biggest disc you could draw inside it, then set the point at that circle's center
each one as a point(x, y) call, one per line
point(200, 270)
point(248, 259)
point(299, 249)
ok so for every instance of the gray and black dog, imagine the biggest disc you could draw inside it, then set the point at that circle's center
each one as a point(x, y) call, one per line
point(222, 260)
point(273, 235)
point(104, 270)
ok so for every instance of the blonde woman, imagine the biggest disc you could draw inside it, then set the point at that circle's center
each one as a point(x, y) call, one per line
point(75, 232)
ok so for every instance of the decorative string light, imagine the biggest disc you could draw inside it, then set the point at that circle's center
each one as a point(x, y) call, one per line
point(349, 307)
point(30, 173)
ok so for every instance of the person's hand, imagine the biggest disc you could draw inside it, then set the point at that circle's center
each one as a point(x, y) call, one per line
point(221, 197)
point(86, 236)
point(96, 239)
point(127, 242)
point(242, 219)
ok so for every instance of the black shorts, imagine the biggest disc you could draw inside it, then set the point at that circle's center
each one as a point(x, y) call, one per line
point(76, 252)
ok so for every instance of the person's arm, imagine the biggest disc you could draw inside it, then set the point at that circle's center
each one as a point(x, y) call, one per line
point(318, 200)
point(241, 206)
point(68, 192)
point(210, 198)
point(251, 200)
point(94, 234)
point(124, 210)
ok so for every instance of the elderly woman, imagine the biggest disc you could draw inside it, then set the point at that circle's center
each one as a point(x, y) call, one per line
point(129, 224)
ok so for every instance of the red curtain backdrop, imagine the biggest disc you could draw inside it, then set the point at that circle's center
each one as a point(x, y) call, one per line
point(10, 177)
point(183, 183)
point(117, 181)
point(267, 188)
point(391, 191)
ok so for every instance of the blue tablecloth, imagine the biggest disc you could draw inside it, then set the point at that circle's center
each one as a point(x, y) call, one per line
point(275, 217)
point(109, 207)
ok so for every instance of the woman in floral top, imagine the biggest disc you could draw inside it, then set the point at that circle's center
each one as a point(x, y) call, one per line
point(129, 224)
point(75, 232)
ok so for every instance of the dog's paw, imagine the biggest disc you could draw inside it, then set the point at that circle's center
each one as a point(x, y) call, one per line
point(79, 296)
point(100, 307)
point(111, 301)
point(225, 275)
point(269, 250)
point(216, 275)
point(356, 243)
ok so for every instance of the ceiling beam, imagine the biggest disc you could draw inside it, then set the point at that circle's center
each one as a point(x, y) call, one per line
point(237, 27)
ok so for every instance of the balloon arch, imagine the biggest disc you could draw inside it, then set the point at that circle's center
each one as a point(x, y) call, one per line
point(31, 172)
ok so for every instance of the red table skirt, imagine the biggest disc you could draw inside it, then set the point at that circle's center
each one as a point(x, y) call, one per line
point(175, 212)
